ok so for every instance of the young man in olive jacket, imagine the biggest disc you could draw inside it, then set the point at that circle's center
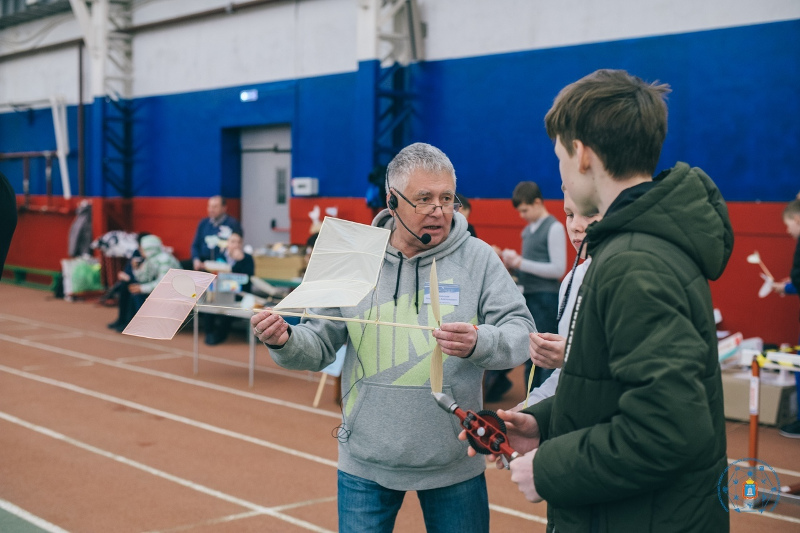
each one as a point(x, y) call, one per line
point(634, 438)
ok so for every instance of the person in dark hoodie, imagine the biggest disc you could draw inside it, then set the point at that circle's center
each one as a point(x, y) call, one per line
point(394, 438)
point(634, 438)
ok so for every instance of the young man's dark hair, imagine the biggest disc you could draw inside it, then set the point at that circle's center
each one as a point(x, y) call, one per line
point(526, 192)
point(619, 116)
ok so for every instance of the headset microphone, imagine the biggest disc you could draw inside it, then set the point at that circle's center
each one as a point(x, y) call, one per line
point(424, 239)
point(392, 203)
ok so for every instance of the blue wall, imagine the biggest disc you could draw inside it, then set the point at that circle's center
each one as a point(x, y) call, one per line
point(733, 111)
point(734, 108)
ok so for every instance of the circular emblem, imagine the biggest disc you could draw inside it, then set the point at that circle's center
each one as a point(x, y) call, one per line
point(752, 486)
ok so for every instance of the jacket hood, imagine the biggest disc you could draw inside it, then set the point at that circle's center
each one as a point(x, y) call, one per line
point(684, 208)
point(151, 245)
point(458, 234)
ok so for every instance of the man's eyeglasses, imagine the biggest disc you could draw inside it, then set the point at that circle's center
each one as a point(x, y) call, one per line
point(429, 209)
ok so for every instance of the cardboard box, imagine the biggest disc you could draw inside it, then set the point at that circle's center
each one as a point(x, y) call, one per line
point(778, 398)
point(285, 268)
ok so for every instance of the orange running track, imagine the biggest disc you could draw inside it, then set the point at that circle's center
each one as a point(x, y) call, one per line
point(102, 432)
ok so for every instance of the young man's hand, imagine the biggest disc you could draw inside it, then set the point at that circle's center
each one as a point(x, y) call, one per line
point(547, 349)
point(511, 259)
point(522, 475)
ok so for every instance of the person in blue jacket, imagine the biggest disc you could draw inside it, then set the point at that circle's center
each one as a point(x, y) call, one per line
point(218, 226)
point(791, 217)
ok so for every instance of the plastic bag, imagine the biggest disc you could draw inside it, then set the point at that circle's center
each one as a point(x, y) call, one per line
point(81, 275)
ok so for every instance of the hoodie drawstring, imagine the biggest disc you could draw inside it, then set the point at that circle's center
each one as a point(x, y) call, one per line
point(416, 289)
point(416, 283)
point(397, 283)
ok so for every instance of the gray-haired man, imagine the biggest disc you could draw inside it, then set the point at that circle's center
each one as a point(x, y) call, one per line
point(394, 438)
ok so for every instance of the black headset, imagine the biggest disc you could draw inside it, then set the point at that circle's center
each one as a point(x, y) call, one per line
point(392, 203)
point(425, 238)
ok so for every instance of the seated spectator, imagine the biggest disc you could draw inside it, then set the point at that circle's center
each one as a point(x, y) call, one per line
point(120, 289)
point(156, 262)
point(218, 326)
point(210, 231)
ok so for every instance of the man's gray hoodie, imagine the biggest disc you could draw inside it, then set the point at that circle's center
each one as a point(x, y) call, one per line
point(394, 433)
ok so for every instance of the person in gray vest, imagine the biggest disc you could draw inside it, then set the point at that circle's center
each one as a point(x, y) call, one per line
point(539, 270)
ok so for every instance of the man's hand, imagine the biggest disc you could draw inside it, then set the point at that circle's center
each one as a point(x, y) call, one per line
point(522, 475)
point(522, 431)
point(511, 259)
point(547, 350)
point(134, 288)
point(270, 328)
point(197, 264)
point(457, 338)
point(779, 287)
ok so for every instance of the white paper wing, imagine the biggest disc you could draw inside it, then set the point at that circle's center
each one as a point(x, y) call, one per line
point(766, 288)
point(169, 304)
point(343, 267)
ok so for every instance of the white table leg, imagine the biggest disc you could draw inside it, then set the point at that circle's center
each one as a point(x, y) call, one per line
point(196, 334)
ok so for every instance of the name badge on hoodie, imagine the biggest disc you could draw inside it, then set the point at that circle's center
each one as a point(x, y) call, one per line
point(448, 294)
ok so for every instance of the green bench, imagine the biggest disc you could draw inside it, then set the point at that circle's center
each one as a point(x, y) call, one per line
point(20, 277)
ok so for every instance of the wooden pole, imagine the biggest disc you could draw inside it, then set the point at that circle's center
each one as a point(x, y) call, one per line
point(764, 268)
point(319, 389)
point(755, 391)
point(326, 317)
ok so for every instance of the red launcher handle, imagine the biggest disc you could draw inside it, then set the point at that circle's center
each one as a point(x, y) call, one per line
point(486, 432)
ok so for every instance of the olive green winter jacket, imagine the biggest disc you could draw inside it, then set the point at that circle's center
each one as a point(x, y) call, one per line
point(634, 439)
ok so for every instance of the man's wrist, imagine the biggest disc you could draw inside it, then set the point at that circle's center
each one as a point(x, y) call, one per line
point(279, 346)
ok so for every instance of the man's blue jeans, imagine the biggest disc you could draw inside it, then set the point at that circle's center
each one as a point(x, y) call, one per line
point(366, 507)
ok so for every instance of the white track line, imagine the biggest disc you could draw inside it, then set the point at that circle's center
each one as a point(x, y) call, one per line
point(32, 368)
point(212, 522)
point(213, 429)
point(165, 375)
point(776, 469)
point(242, 516)
point(21, 326)
point(54, 336)
point(781, 517)
point(28, 517)
point(144, 358)
point(163, 475)
point(518, 514)
point(169, 416)
point(138, 342)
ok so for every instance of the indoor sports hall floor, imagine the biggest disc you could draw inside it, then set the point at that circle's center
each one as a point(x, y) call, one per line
point(101, 432)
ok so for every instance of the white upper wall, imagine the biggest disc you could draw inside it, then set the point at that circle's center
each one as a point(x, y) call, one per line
point(465, 28)
point(306, 38)
point(280, 41)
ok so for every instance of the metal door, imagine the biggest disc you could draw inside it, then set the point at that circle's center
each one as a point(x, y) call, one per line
point(266, 174)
